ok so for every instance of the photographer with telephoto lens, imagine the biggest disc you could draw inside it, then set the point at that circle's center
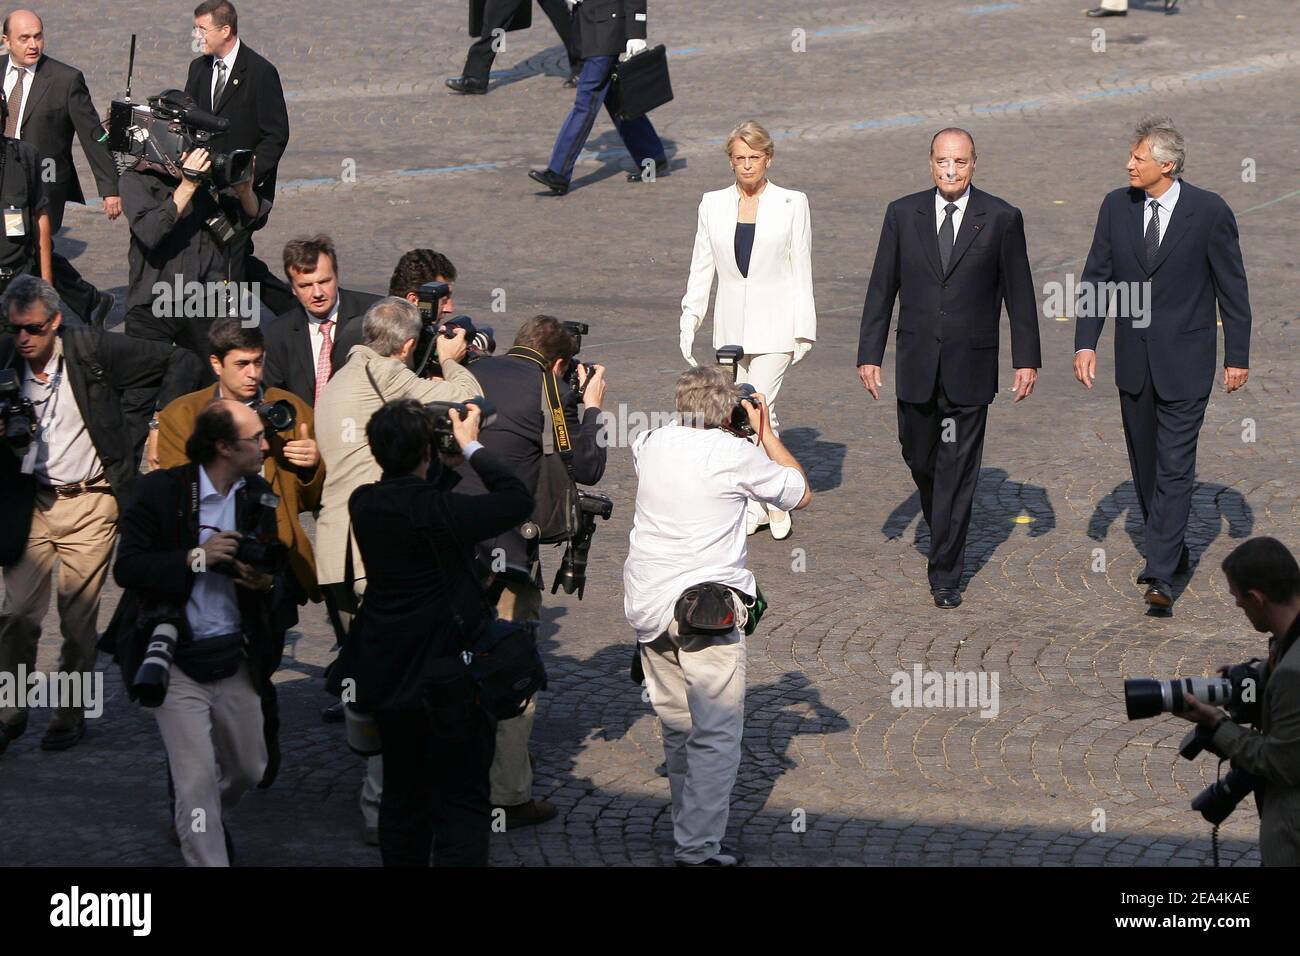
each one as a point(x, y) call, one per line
point(1264, 580)
point(689, 596)
point(202, 537)
point(420, 609)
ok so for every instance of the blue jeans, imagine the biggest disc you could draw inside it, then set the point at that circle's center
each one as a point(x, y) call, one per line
point(638, 135)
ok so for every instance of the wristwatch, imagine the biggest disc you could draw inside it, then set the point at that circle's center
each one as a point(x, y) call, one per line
point(153, 423)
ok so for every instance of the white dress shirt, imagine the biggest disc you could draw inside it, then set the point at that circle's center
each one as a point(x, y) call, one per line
point(940, 214)
point(65, 453)
point(213, 609)
point(1167, 203)
point(229, 60)
point(11, 77)
point(689, 526)
point(317, 339)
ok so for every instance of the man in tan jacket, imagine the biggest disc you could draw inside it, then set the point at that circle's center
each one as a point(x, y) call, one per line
point(292, 468)
point(377, 371)
point(1265, 582)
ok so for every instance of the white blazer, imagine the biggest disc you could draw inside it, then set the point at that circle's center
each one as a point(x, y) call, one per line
point(771, 308)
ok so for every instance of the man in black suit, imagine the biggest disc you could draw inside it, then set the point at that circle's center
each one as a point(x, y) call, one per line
point(300, 344)
point(504, 15)
point(232, 81)
point(954, 255)
point(1172, 250)
point(49, 104)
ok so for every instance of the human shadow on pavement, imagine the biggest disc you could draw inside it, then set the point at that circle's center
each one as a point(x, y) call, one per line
point(1000, 506)
point(822, 460)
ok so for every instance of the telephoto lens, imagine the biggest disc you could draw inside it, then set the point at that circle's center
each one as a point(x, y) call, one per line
point(1217, 801)
point(150, 685)
point(1144, 697)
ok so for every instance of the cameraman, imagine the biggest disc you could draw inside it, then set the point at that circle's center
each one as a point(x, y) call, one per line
point(694, 482)
point(185, 230)
point(292, 469)
point(513, 383)
point(410, 532)
point(61, 493)
point(378, 372)
point(1264, 580)
point(211, 716)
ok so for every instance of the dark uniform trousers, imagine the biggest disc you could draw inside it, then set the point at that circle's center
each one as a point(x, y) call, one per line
point(497, 13)
point(943, 445)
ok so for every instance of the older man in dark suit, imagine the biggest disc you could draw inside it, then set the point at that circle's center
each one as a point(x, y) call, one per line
point(49, 104)
point(1172, 250)
point(953, 255)
point(234, 82)
point(301, 352)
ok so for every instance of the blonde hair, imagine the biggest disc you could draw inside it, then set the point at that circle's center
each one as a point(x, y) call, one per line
point(754, 136)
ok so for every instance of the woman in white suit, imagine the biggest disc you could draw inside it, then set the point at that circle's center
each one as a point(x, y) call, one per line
point(757, 238)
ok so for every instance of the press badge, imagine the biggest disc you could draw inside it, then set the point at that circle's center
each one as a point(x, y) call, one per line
point(14, 222)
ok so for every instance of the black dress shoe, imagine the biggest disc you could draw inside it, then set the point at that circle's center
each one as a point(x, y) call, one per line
point(1103, 12)
point(333, 714)
point(61, 738)
point(661, 167)
point(946, 597)
point(529, 814)
point(100, 311)
point(466, 84)
point(1159, 595)
point(550, 180)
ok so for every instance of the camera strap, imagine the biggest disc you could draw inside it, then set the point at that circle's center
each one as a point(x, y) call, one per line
point(556, 436)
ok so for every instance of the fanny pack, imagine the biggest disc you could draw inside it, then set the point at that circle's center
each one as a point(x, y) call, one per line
point(211, 659)
point(706, 611)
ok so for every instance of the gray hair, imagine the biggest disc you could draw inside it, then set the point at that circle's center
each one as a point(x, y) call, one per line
point(26, 291)
point(389, 324)
point(1166, 143)
point(705, 396)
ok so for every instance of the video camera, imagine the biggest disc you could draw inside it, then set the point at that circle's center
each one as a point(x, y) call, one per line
point(17, 414)
point(479, 341)
point(577, 330)
point(572, 573)
point(1236, 689)
point(440, 412)
point(170, 126)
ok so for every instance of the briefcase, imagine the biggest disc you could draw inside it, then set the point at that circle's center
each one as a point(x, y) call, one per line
point(521, 19)
point(640, 84)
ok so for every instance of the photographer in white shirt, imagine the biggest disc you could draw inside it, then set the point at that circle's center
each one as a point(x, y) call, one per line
point(694, 482)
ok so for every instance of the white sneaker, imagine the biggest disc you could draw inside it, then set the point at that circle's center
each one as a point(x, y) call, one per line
point(755, 517)
point(780, 523)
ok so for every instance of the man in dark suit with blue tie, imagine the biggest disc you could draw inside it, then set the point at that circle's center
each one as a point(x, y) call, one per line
point(952, 255)
point(1172, 249)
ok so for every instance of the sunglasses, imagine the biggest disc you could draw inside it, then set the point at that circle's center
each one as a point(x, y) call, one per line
point(14, 328)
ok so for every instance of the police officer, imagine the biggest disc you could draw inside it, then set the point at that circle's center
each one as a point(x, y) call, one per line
point(25, 242)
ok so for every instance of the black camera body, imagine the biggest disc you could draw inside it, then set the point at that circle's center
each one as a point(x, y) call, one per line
point(577, 330)
point(739, 422)
point(479, 340)
point(572, 573)
point(265, 554)
point(277, 416)
point(444, 440)
point(17, 413)
point(170, 126)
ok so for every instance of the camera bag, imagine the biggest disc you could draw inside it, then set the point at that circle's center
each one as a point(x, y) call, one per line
point(555, 510)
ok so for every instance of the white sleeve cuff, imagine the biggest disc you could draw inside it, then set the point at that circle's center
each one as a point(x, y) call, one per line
point(468, 451)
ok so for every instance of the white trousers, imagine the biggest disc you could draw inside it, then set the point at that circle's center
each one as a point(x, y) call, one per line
point(699, 696)
point(213, 736)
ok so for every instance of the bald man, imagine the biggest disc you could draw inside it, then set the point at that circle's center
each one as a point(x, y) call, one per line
point(48, 104)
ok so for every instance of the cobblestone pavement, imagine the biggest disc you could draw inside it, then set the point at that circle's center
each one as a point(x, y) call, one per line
point(832, 772)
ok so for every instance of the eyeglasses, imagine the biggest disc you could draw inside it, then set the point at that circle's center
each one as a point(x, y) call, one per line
point(259, 438)
point(14, 328)
point(200, 31)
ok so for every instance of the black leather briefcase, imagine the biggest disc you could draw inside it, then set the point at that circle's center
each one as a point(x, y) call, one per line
point(640, 84)
point(521, 19)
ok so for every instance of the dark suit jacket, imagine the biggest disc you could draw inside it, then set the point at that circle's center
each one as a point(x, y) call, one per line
point(253, 101)
point(100, 366)
point(1199, 264)
point(157, 533)
point(288, 345)
point(948, 325)
point(514, 386)
point(605, 26)
point(57, 105)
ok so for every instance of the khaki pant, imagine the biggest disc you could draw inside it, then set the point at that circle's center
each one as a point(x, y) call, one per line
point(699, 697)
point(80, 533)
point(215, 746)
point(511, 775)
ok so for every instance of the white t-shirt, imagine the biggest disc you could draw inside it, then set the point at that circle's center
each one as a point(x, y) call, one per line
point(689, 527)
